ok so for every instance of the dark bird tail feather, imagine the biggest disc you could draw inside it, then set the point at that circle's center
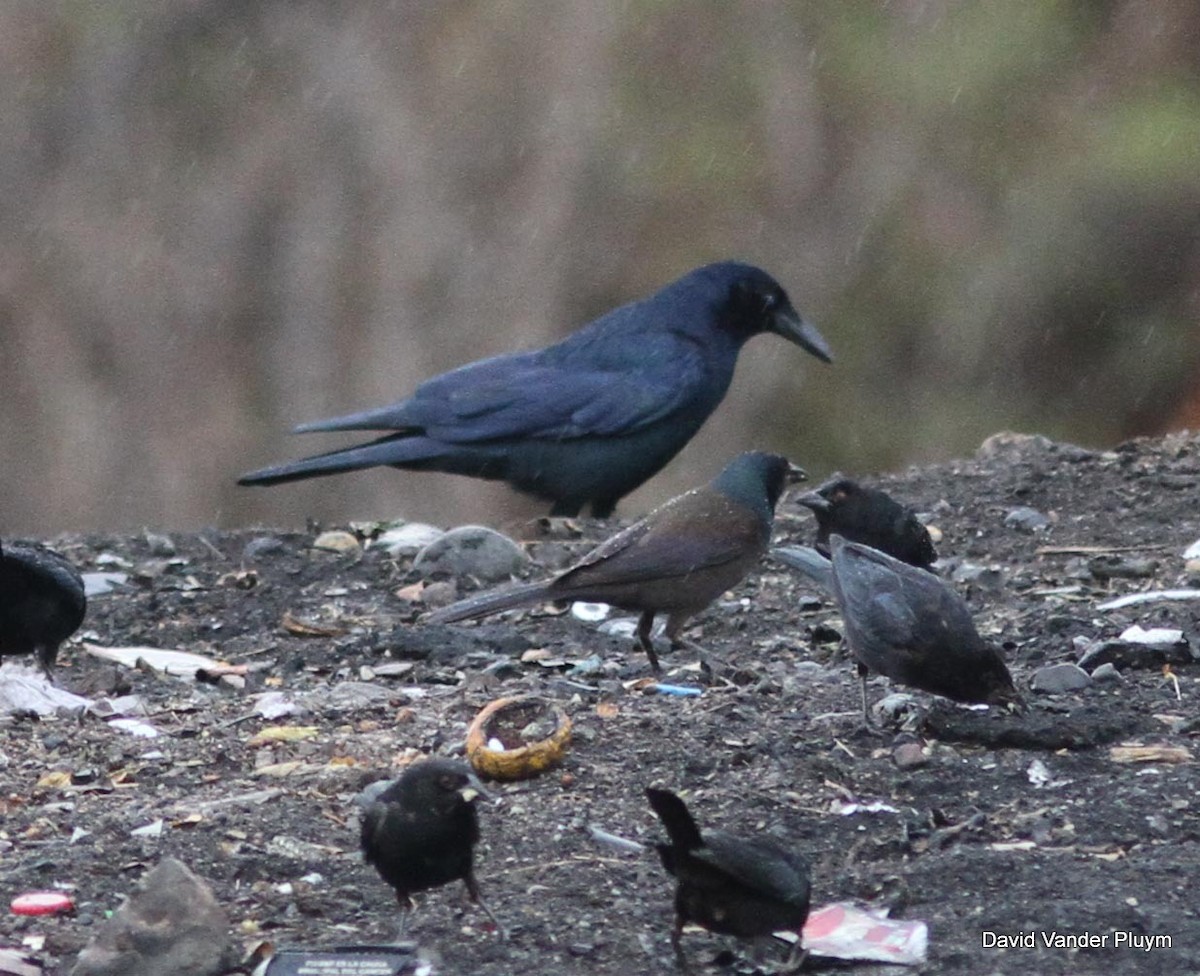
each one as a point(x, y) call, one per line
point(676, 819)
point(393, 449)
point(492, 601)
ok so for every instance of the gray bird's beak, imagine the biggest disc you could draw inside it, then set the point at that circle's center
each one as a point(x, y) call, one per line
point(814, 500)
point(788, 323)
point(796, 474)
point(473, 789)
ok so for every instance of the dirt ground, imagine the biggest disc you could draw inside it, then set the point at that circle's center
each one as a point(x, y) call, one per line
point(973, 844)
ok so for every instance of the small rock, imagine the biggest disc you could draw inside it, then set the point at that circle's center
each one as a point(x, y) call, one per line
point(909, 755)
point(472, 550)
point(171, 925)
point(336, 541)
point(1118, 567)
point(1007, 443)
point(1132, 654)
point(1107, 674)
point(987, 578)
point(440, 593)
point(1057, 679)
point(1192, 569)
point(261, 545)
point(894, 707)
point(160, 545)
point(407, 539)
point(1025, 519)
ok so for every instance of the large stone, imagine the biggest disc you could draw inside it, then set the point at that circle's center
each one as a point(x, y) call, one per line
point(472, 550)
point(171, 926)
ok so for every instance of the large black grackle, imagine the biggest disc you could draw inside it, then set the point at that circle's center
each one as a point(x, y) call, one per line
point(420, 832)
point(589, 419)
point(42, 602)
point(746, 887)
point(869, 516)
point(907, 624)
point(676, 560)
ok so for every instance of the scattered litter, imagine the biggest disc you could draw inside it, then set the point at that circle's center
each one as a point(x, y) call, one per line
point(42, 903)
point(179, 664)
point(98, 584)
point(274, 704)
point(154, 829)
point(28, 690)
point(1155, 635)
point(677, 691)
point(506, 719)
point(846, 808)
point(845, 931)
point(590, 613)
point(134, 726)
point(614, 841)
point(392, 960)
point(1039, 775)
point(1150, 596)
point(407, 539)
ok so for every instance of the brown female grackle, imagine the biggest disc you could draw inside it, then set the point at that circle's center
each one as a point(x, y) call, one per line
point(676, 560)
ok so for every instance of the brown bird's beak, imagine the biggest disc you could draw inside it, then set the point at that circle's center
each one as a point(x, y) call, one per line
point(788, 323)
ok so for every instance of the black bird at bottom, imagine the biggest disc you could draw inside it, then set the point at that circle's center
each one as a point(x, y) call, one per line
point(870, 516)
point(676, 560)
point(420, 832)
point(907, 624)
point(42, 602)
point(745, 887)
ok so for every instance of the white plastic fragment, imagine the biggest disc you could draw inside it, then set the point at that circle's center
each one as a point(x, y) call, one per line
point(154, 829)
point(134, 726)
point(847, 807)
point(590, 613)
point(1151, 596)
point(1155, 635)
point(1192, 551)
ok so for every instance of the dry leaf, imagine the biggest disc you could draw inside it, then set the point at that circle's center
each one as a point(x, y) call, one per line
point(1157, 753)
point(304, 628)
point(283, 733)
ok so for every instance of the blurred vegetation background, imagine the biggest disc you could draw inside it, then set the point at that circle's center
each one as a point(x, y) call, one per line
point(220, 219)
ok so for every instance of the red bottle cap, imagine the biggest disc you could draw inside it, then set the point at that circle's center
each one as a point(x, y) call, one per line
point(42, 903)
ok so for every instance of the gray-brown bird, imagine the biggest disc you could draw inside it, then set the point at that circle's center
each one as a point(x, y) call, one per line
point(747, 887)
point(907, 624)
point(676, 560)
point(420, 832)
point(42, 602)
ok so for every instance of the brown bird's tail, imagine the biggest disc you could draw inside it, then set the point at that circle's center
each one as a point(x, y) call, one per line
point(680, 827)
point(493, 601)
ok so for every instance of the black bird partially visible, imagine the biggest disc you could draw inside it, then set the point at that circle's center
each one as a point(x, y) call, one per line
point(676, 560)
point(871, 517)
point(42, 602)
point(907, 624)
point(420, 832)
point(745, 887)
point(589, 419)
